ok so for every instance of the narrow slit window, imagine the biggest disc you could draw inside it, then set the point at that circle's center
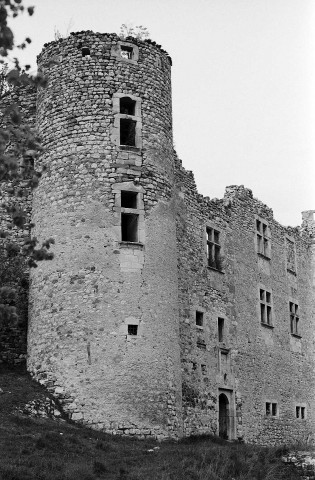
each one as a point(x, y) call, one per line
point(294, 318)
point(127, 132)
point(297, 412)
point(129, 199)
point(302, 413)
point(132, 329)
point(126, 52)
point(274, 409)
point(127, 106)
point(129, 227)
point(268, 408)
point(199, 319)
point(221, 329)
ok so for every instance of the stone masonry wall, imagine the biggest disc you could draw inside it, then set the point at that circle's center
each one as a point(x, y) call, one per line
point(14, 270)
point(255, 363)
point(82, 302)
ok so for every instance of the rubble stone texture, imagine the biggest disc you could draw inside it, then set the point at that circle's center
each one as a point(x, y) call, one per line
point(113, 328)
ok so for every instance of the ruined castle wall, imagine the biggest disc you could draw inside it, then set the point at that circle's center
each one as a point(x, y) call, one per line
point(14, 270)
point(255, 363)
point(83, 303)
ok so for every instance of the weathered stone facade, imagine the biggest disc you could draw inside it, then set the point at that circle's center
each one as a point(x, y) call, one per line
point(163, 313)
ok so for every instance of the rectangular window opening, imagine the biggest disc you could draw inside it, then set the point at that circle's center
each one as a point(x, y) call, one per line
point(199, 319)
point(274, 409)
point(129, 199)
point(262, 313)
point(214, 249)
point(194, 366)
point(268, 408)
point(129, 227)
point(297, 412)
point(265, 307)
point(262, 238)
point(126, 52)
point(302, 413)
point(294, 318)
point(127, 132)
point(132, 329)
point(127, 106)
point(221, 329)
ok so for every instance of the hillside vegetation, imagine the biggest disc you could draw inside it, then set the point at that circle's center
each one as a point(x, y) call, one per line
point(46, 449)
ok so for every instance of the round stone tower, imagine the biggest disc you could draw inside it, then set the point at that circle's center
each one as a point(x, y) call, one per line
point(103, 330)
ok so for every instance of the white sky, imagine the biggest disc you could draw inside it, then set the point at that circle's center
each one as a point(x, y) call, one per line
point(243, 85)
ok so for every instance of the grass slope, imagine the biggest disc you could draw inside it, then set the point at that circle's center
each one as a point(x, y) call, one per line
point(45, 449)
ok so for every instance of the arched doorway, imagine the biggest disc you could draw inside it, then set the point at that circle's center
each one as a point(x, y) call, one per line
point(224, 416)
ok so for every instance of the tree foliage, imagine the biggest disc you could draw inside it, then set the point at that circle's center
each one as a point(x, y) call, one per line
point(20, 147)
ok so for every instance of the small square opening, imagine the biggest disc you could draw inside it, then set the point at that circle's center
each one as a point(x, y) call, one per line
point(129, 227)
point(132, 329)
point(126, 52)
point(127, 132)
point(85, 51)
point(129, 199)
point(199, 318)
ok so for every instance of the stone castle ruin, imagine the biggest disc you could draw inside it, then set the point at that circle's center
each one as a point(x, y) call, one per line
point(163, 313)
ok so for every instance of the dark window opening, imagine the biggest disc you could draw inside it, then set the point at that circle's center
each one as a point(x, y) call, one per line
point(129, 227)
point(85, 51)
point(126, 52)
point(129, 199)
point(265, 307)
point(268, 408)
point(221, 329)
point(297, 412)
point(127, 132)
point(274, 409)
point(132, 329)
point(194, 366)
point(294, 318)
point(213, 249)
point(127, 106)
point(263, 240)
point(302, 413)
point(199, 319)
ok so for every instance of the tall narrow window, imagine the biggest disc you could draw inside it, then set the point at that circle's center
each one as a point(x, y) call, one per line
point(213, 249)
point(127, 132)
point(221, 329)
point(294, 318)
point(265, 307)
point(262, 238)
point(129, 227)
point(199, 319)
